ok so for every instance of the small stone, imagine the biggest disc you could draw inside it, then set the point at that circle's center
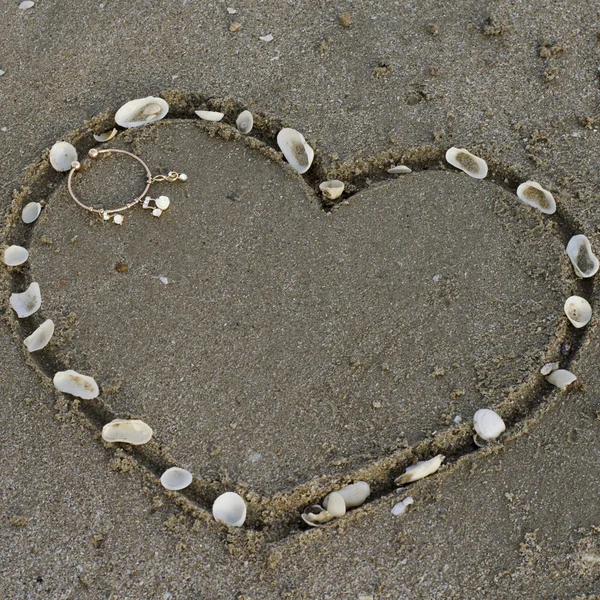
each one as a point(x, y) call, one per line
point(1, 72)
point(121, 267)
point(118, 219)
point(163, 279)
point(156, 212)
point(231, 11)
point(376, 404)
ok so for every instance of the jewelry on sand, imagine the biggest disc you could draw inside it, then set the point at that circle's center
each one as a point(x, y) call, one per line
point(160, 204)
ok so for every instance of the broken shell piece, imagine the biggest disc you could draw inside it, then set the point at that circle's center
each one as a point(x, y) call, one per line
point(336, 505)
point(31, 212)
point(578, 311)
point(316, 516)
point(15, 255)
point(579, 251)
point(162, 202)
point(353, 495)
point(533, 194)
point(561, 378)
point(400, 508)
point(548, 368)
point(295, 149)
point(26, 4)
point(27, 302)
point(245, 121)
point(332, 189)
point(106, 136)
point(176, 479)
point(62, 154)
point(420, 470)
point(129, 431)
point(136, 113)
point(488, 425)
point(465, 161)
point(76, 384)
point(398, 169)
point(230, 508)
point(40, 337)
point(266, 38)
point(210, 115)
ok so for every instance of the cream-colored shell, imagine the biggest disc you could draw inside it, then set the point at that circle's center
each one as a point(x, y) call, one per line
point(128, 431)
point(548, 368)
point(578, 311)
point(421, 469)
point(579, 251)
point(76, 384)
point(295, 149)
point(106, 136)
point(62, 154)
point(353, 495)
point(316, 516)
point(15, 255)
point(533, 194)
point(488, 424)
point(561, 378)
point(399, 170)
point(141, 111)
point(332, 189)
point(210, 115)
point(245, 122)
point(28, 302)
point(229, 508)
point(465, 161)
point(176, 479)
point(336, 505)
point(40, 337)
point(31, 212)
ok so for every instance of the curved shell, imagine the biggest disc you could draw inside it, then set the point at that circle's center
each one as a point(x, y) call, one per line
point(400, 508)
point(316, 516)
point(336, 505)
point(230, 508)
point(533, 194)
point(15, 255)
point(399, 169)
point(332, 189)
point(579, 251)
point(245, 121)
point(295, 149)
point(136, 113)
point(465, 161)
point(27, 302)
point(176, 479)
point(40, 337)
point(62, 154)
point(578, 311)
point(488, 424)
point(561, 378)
point(106, 136)
point(210, 115)
point(353, 495)
point(76, 384)
point(548, 368)
point(422, 469)
point(31, 212)
point(129, 431)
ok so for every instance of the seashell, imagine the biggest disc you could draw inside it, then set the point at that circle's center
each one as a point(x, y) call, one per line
point(488, 425)
point(561, 378)
point(336, 505)
point(266, 38)
point(465, 161)
point(62, 154)
point(399, 169)
point(162, 202)
point(210, 115)
point(31, 212)
point(40, 337)
point(26, 4)
point(295, 149)
point(353, 495)
point(129, 431)
point(136, 113)
point(533, 194)
point(229, 508)
point(548, 368)
point(420, 470)
point(579, 251)
point(76, 384)
point(15, 255)
point(106, 136)
point(400, 508)
point(176, 479)
point(332, 189)
point(245, 121)
point(316, 516)
point(27, 302)
point(578, 311)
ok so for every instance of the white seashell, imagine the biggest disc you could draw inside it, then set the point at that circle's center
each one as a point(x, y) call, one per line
point(176, 478)
point(420, 470)
point(76, 384)
point(578, 311)
point(336, 505)
point(231, 11)
point(62, 154)
point(533, 194)
point(230, 508)
point(245, 121)
point(316, 516)
point(332, 189)
point(162, 202)
point(27, 302)
point(31, 212)
point(136, 113)
point(400, 508)
point(488, 424)
point(15, 255)
point(210, 115)
point(129, 431)
point(353, 495)
point(40, 337)
point(561, 378)
point(266, 38)
point(26, 4)
point(465, 161)
point(579, 251)
point(548, 368)
point(295, 149)
point(106, 136)
point(398, 169)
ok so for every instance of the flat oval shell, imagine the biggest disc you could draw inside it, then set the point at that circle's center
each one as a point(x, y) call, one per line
point(230, 508)
point(579, 251)
point(26, 4)
point(245, 121)
point(40, 337)
point(561, 378)
point(578, 311)
point(106, 136)
point(136, 113)
point(295, 149)
point(128, 431)
point(421, 469)
point(76, 384)
point(62, 154)
point(488, 424)
point(353, 495)
point(465, 161)
point(31, 212)
point(399, 169)
point(533, 194)
point(210, 115)
point(15, 255)
point(176, 479)
point(27, 302)
point(336, 505)
point(332, 189)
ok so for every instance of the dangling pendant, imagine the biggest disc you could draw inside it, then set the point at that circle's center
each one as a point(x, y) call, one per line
point(160, 204)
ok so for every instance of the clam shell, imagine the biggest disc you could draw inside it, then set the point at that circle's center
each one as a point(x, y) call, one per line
point(336, 505)
point(31, 212)
point(15, 255)
point(40, 337)
point(399, 169)
point(353, 495)
point(106, 136)
point(129, 431)
point(465, 161)
point(400, 508)
point(230, 508)
point(176, 478)
point(62, 154)
point(295, 149)
point(27, 302)
point(578, 311)
point(579, 251)
point(210, 115)
point(245, 121)
point(316, 516)
point(332, 189)
point(533, 194)
point(548, 368)
point(561, 378)
point(420, 470)
point(136, 113)
point(488, 424)
point(76, 384)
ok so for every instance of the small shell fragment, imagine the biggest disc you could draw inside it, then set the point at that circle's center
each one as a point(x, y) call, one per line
point(15, 255)
point(106, 136)
point(141, 111)
point(176, 479)
point(400, 508)
point(353, 495)
point(295, 149)
point(40, 337)
point(267, 38)
point(76, 384)
point(578, 311)
point(488, 424)
point(245, 121)
point(26, 4)
point(420, 470)
point(533, 194)
point(316, 516)
point(210, 115)
point(548, 368)
point(27, 302)
point(230, 508)
point(465, 161)
point(332, 189)
point(399, 169)
point(561, 378)
point(62, 154)
point(128, 431)
point(336, 505)
point(579, 251)
point(31, 212)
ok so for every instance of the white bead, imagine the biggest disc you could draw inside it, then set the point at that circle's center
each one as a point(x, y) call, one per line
point(156, 212)
point(162, 202)
point(183, 177)
point(118, 219)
